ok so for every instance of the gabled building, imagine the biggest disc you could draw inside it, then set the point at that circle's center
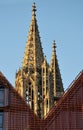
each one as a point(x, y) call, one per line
point(68, 113)
point(15, 114)
point(38, 82)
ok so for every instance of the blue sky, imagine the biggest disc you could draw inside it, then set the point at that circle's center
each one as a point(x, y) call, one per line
point(59, 20)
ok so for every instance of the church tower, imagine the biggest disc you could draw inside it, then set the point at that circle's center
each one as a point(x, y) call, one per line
point(39, 83)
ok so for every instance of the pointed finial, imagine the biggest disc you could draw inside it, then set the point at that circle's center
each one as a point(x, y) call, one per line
point(33, 9)
point(54, 45)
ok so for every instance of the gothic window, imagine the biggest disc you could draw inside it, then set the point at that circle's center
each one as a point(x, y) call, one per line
point(47, 103)
point(1, 120)
point(32, 105)
point(43, 82)
point(29, 91)
point(43, 71)
point(46, 90)
point(47, 82)
point(47, 70)
point(43, 89)
point(30, 95)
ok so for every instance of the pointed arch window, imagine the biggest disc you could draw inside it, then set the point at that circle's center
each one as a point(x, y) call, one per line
point(32, 105)
point(30, 94)
point(47, 103)
point(43, 70)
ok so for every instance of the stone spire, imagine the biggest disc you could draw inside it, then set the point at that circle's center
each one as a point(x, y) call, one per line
point(33, 55)
point(36, 81)
point(28, 79)
point(58, 86)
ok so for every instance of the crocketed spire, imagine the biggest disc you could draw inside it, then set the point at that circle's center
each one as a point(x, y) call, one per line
point(33, 55)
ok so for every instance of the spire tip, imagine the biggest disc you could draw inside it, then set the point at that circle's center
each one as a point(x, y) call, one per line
point(54, 44)
point(33, 8)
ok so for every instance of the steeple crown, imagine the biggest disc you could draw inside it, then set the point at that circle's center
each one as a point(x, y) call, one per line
point(54, 46)
point(34, 10)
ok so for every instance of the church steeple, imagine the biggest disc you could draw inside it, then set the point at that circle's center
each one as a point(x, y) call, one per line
point(58, 86)
point(37, 81)
point(33, 55)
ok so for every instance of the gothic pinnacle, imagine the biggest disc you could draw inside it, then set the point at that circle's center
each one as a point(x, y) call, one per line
point(54, 46)
point(33, 9)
